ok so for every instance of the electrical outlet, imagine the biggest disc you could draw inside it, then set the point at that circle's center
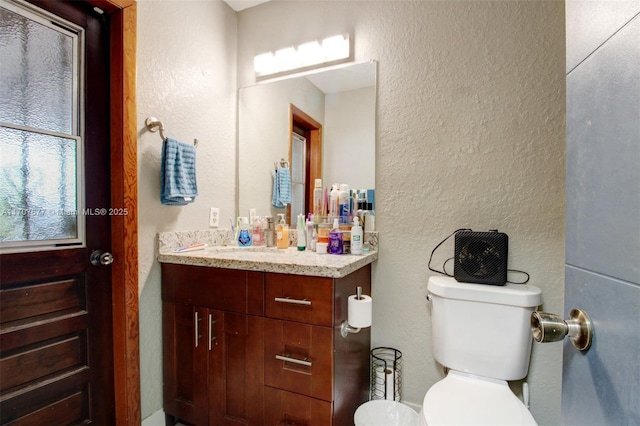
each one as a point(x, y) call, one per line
point(252, 215)
point(214, 217)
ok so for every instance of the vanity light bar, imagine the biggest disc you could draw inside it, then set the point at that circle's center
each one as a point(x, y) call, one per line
point(309, 54)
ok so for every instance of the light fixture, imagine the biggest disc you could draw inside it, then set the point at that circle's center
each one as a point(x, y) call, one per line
point(306, 55)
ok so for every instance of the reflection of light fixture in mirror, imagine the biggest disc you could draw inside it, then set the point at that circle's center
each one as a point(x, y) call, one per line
point(310, 54)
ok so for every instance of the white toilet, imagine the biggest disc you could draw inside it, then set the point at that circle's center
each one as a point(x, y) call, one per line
point(482, 335)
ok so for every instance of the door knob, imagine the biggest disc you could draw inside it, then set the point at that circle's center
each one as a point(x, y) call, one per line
point(99, 257)
point(547, 327)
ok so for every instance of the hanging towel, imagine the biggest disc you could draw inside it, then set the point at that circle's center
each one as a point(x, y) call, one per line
point(281, 188)
point(178, 173)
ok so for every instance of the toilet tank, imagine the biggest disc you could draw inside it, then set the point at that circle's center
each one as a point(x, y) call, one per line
point(482, 329)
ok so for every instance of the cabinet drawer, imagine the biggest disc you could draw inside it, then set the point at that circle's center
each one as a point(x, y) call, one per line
point(286, 408)
point(299, 298)
point(298, 358)
point(215, 288)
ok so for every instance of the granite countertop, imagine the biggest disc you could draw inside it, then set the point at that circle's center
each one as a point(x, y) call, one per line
point(271, 259)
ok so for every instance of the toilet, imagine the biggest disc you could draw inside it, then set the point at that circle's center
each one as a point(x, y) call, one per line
point(482, 335)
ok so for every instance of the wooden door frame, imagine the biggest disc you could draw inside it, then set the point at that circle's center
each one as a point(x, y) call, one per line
point(124, 229)
point(314, 153)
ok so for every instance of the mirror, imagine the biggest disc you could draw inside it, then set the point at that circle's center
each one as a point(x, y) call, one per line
point(342, 100)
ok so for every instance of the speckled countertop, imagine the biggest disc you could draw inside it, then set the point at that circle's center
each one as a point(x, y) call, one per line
point(265, 259)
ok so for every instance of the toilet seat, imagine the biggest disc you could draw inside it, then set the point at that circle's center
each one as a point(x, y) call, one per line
point(466, 399)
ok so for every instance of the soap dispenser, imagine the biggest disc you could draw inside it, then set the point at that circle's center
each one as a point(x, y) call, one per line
point(282, 233)
point(244, 232)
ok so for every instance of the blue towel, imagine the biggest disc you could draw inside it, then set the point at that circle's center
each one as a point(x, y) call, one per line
point(281, 188)
point(178, 173)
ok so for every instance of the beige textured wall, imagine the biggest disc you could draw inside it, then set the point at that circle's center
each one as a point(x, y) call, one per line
point(186, 76)
point(470, 133)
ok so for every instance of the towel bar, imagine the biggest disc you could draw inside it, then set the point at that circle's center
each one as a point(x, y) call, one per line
point(153, 125)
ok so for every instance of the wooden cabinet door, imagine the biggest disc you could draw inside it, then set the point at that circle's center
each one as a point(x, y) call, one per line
point(185, 353)
point(236, 372)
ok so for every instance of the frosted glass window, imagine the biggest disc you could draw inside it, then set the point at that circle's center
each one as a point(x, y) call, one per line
point(37, 70)
point(38, 193)
point(41, 149)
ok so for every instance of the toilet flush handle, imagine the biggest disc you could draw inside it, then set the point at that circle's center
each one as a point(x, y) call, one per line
point(547, 327)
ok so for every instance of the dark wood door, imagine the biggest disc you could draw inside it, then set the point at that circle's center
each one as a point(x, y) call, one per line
point(56, 340)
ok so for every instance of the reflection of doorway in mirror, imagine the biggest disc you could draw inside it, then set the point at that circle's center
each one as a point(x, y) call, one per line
point(304, 131)
point(298, 169)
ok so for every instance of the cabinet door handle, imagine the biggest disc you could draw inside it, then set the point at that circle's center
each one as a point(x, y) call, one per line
point(195, 320)
point(293, 301)
point(294, 360)
point(211, 336)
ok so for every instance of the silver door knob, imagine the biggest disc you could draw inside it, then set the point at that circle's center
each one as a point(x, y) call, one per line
point(547, 327)
point(99, 257)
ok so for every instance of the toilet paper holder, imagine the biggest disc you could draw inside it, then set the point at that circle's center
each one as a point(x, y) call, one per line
point(345, 327)
point(547, 327)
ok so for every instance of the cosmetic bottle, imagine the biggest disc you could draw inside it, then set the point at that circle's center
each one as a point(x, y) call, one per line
point(356, 237)
point(311, 242)
point(244, 232)
point(317, 201)
point(270, 233)
point(335, 238)
point(282, 233)
point(258, 231)
point(334, 195)
point(302, 233)
point(344, 202)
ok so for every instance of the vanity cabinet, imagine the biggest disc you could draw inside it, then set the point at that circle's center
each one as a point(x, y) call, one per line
point(212, 345)
point(261, 348)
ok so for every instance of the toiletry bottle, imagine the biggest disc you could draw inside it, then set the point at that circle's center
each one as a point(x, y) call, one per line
point(310, 241)
point(356, 237)
point(302, 233)
point(270, 233)
point(244, 232)
point(282, 233)
point(344, 204)
point(335, 238)
point(317, 201)
point(314, 238)
point(257, 233)
point(334, 195)
point(362, 199)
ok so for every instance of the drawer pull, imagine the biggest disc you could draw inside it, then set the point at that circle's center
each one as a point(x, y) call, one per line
point(294, 360)
point(293, 301)
point(212, 338)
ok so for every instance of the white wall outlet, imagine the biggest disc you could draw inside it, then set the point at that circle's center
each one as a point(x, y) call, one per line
point(252, 215)
point(214, 217)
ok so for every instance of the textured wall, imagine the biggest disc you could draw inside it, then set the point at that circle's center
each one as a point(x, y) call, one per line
point(470, 133)
point(187, 78)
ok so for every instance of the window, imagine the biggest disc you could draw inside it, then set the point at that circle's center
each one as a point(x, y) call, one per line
point(41, 146)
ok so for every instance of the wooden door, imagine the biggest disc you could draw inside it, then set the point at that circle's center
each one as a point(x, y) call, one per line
point(56, 339)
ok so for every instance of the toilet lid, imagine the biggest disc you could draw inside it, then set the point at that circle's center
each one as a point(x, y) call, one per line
point(464, 399)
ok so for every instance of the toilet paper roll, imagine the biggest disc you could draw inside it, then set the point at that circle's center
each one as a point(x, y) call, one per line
point(385, 383)
point(359, 311)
